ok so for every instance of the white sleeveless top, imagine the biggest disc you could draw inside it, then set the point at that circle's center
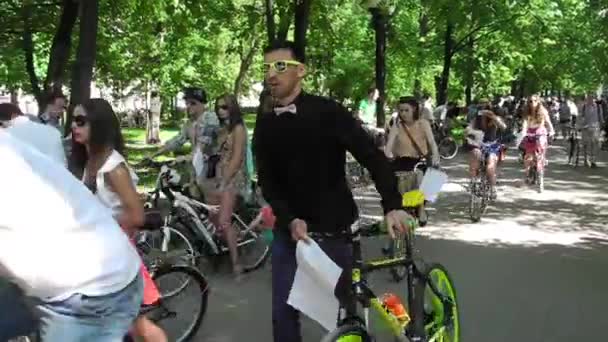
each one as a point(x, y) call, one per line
point(104, 193)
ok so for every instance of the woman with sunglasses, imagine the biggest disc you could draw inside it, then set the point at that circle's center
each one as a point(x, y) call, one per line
point(231, 179)
point(98, 157)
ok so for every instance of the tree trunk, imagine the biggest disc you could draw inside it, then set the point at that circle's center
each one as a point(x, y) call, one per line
point(284, 24)
point(60, 50)
point(153, 121)
point(423, 30)
point(380, 28)
point(270, 25)
point(470, 76)
point(442, 92)
point(302, 14)
point(244, 68)
point(15, 96)
point(28, 49)
point(82, 72)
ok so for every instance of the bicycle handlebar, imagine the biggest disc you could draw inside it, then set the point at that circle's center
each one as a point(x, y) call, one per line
point(158, 164)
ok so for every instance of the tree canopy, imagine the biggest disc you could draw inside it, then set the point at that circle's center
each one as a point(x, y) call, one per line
point(458, 50)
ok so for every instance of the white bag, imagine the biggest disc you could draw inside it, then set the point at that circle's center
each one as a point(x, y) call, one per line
point(432, 182)
point(198, 161)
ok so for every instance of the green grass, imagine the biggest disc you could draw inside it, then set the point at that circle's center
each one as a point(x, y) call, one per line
point(137, 149)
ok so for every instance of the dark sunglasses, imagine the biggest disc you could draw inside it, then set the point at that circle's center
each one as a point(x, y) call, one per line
point(224, 107)
point(80, 120)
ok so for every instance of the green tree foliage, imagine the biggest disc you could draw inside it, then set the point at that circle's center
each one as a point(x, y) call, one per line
point(495, 46)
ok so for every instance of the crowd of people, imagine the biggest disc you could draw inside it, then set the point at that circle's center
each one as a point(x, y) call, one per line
point(89, 282)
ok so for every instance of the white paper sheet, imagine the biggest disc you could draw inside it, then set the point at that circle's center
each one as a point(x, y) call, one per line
point(432, 182)
point(198, 161)
point(312, 292)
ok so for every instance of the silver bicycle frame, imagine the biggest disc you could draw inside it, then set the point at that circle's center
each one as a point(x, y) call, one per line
point(185, 203)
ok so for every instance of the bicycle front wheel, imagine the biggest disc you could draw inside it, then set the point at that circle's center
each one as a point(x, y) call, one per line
point(448, 148)
point(439, 305)
point(348, 333)
point(179, 314)
point(476, 201)
point(167, 239)
point(254, 247)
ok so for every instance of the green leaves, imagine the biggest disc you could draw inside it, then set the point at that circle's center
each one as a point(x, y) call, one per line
point(545, 44)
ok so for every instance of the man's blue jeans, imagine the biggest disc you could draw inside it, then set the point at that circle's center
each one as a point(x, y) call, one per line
point(92, 319)
point(285, 319)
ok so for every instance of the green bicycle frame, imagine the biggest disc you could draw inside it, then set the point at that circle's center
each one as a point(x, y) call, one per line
point(368, 299)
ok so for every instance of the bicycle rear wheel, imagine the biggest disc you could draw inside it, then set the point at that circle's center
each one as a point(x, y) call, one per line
point(439, 305)
point(179, 314)
point(348, 333)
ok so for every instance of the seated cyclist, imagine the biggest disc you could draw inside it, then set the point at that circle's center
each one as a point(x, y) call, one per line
point(484, 129)
point(410, 141)
point(536, 121)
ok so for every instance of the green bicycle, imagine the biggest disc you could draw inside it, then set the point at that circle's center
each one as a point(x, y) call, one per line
point(432, 306)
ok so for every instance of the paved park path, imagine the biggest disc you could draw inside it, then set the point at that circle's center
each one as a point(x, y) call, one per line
point(535, 269)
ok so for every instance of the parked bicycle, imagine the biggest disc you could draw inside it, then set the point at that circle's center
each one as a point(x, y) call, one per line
point(432, 309)
point(191, 218)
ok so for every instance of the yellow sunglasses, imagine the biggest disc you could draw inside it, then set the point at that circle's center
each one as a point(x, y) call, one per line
point(279, 66)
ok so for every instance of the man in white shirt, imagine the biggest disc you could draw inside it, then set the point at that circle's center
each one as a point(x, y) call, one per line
point(62, 247)
point(45, 139)
point(426, 112)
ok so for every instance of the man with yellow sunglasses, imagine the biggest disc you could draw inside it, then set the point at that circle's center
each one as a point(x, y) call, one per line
point(300, 147)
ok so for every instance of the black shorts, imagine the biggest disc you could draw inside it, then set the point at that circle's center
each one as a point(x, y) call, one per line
point(406, 164)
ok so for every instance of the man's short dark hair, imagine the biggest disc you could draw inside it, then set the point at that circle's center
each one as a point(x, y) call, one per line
point(7, 110)
point(297, 53)
point(196, 93)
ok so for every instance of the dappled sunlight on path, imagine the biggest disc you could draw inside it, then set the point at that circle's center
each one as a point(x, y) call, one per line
point(572, 211)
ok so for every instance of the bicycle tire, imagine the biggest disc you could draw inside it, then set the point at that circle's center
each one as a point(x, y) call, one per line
point(475, 212)
point(252, 255)
point(348, 333)
point(448, 148)
point(432, 308)
point(188, 245)
point(202, 285)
